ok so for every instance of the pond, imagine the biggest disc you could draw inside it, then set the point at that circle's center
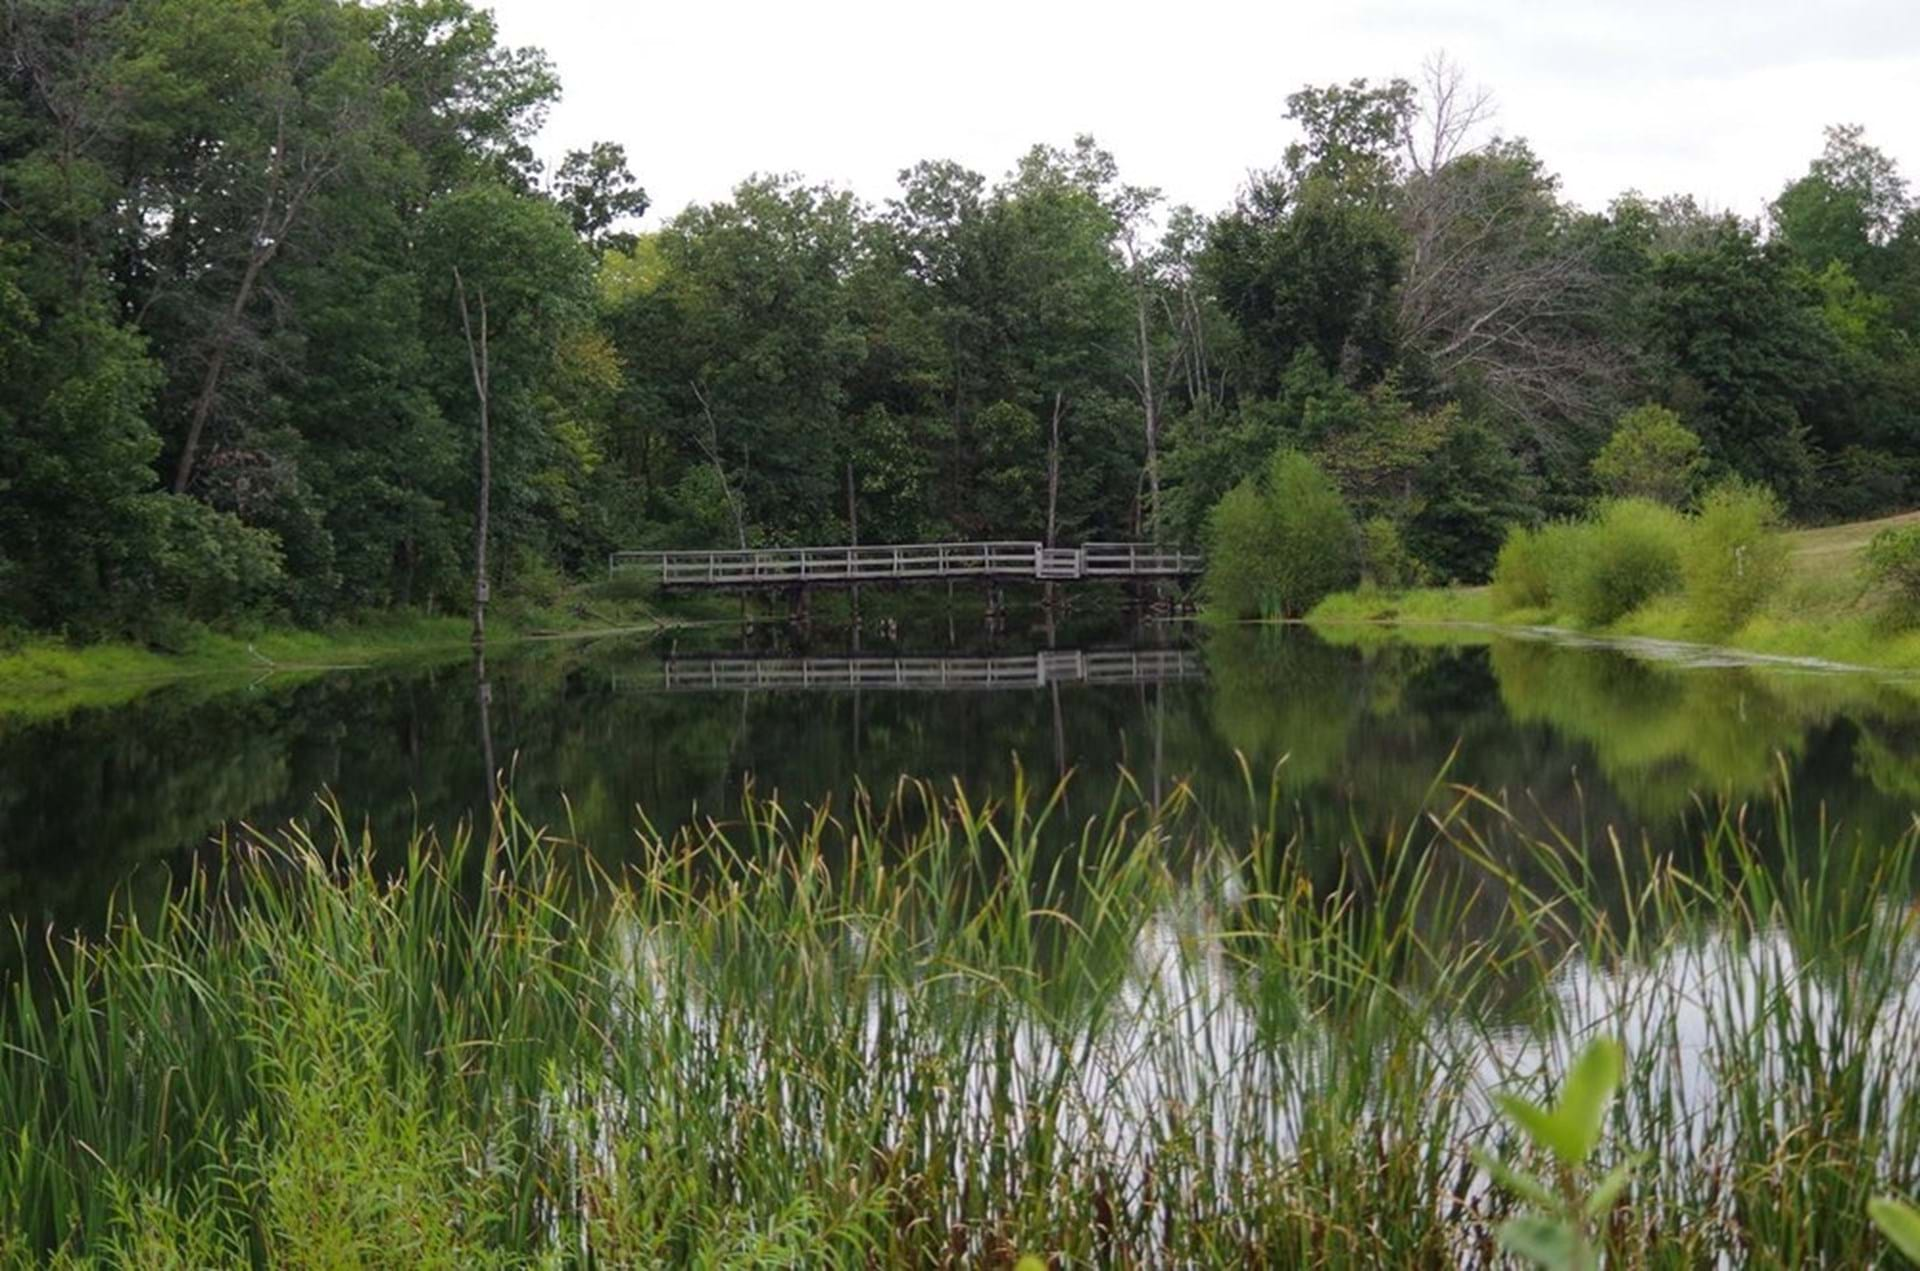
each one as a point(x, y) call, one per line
point(1394, 877)
point(1355, 730)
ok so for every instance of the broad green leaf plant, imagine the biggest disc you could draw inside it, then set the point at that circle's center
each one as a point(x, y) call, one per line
point(1899, 1222)
point(1559, 1229)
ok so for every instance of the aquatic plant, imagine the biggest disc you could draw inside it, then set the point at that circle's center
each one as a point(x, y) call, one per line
point(922, 1030)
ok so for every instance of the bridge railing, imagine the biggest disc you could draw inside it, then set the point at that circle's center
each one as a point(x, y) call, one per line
point(1115, 560)
point(781, 566)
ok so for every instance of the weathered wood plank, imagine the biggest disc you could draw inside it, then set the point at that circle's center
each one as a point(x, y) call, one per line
point(905, 562)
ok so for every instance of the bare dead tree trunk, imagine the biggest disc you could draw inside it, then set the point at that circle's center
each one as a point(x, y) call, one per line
point(711, 444)
point(280, 208)
point(1151, 406)
point(1053, 487)
point(1053, 470)
point(477, 361)
point(853, 538)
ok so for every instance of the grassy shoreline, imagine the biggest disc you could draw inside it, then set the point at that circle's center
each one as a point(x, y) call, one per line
point(1821, 613)
point(44, 678)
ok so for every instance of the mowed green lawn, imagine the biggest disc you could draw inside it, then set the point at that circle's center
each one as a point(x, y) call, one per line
point(1835, 549)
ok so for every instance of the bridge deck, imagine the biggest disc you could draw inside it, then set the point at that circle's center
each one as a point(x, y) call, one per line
point(1121, 666)
point(804, 566)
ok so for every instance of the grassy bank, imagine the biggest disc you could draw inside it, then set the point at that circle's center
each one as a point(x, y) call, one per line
point(1823, 610)
point(42, 677)
point(940, 1034)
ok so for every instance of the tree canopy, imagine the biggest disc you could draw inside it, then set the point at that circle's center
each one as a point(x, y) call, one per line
point(233, 377)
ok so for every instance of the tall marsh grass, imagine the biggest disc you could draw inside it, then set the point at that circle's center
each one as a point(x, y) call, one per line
point(925, 1031)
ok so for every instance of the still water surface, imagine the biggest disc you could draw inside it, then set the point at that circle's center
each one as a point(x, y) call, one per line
point(595, 733)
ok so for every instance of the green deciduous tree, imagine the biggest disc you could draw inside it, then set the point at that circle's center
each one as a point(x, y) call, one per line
point(1651, 455)
point(1278, 546)
point(1750, 364)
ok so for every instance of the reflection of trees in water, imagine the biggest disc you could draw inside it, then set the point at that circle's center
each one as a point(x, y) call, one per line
point(1665, 737)
point(1887, 755)
point(1277, 695)
point(1576, 740)
point(1659, 735)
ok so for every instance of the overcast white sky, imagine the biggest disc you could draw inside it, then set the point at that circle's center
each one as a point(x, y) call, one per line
point(1724, 99)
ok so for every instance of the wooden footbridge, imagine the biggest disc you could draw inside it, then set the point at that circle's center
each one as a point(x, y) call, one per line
point(1028, 671)
point(802, 567)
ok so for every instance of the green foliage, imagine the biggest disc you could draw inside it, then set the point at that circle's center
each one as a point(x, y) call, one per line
point(1753, 365)
point(1278, 547)
point(1651, 455)
point(1562, 1230)
point(1630, 554)
point(1309, 264)
point(1534, 563)
point(1899, 1222)
point(1849, 203)
point(1892, 562)
point(1384, 559)
point(1240, 562)
point(1376, 447)
point(1735, 556)
point(226, 252)
point(1470, 492)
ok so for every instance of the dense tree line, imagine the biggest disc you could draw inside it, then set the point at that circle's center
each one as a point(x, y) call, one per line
point(234, 376)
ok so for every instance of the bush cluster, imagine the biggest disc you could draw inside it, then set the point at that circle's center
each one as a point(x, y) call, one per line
point(1278, 546)
point(1725, 561)
point(1734, 556)
point(1623, 558)
point(1530, 562)
point(1892, 563)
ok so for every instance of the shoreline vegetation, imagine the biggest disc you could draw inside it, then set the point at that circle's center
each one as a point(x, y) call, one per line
point(923, 1031)
point(1820, 613)
point(42, 676)
point(45, 678)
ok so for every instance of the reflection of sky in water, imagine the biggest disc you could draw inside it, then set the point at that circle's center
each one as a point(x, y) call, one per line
point(1182, 1053)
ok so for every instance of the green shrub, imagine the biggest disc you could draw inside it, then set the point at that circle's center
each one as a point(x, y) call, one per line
point(532, 579)
point(1239, 556)
point(1531, 564)
point(1282, 547)
point(1735, 555)
point(206, 565)
point(1624, 558)
point(1892, 563)
point(1651, 455)
point(1384, 559)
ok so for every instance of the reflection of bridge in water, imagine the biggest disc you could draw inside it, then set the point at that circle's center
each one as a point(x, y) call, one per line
point(1029, 671)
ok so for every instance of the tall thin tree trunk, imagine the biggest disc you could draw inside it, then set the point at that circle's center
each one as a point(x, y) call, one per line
point(853, 539)
point(713, 455)
point(478, 363)
point(269, 232)
point(1152, 407)
point(216, 365)
point(1053, 488)
point(1053, 470)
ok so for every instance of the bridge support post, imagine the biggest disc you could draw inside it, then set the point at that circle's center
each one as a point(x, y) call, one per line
point(797, 600)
